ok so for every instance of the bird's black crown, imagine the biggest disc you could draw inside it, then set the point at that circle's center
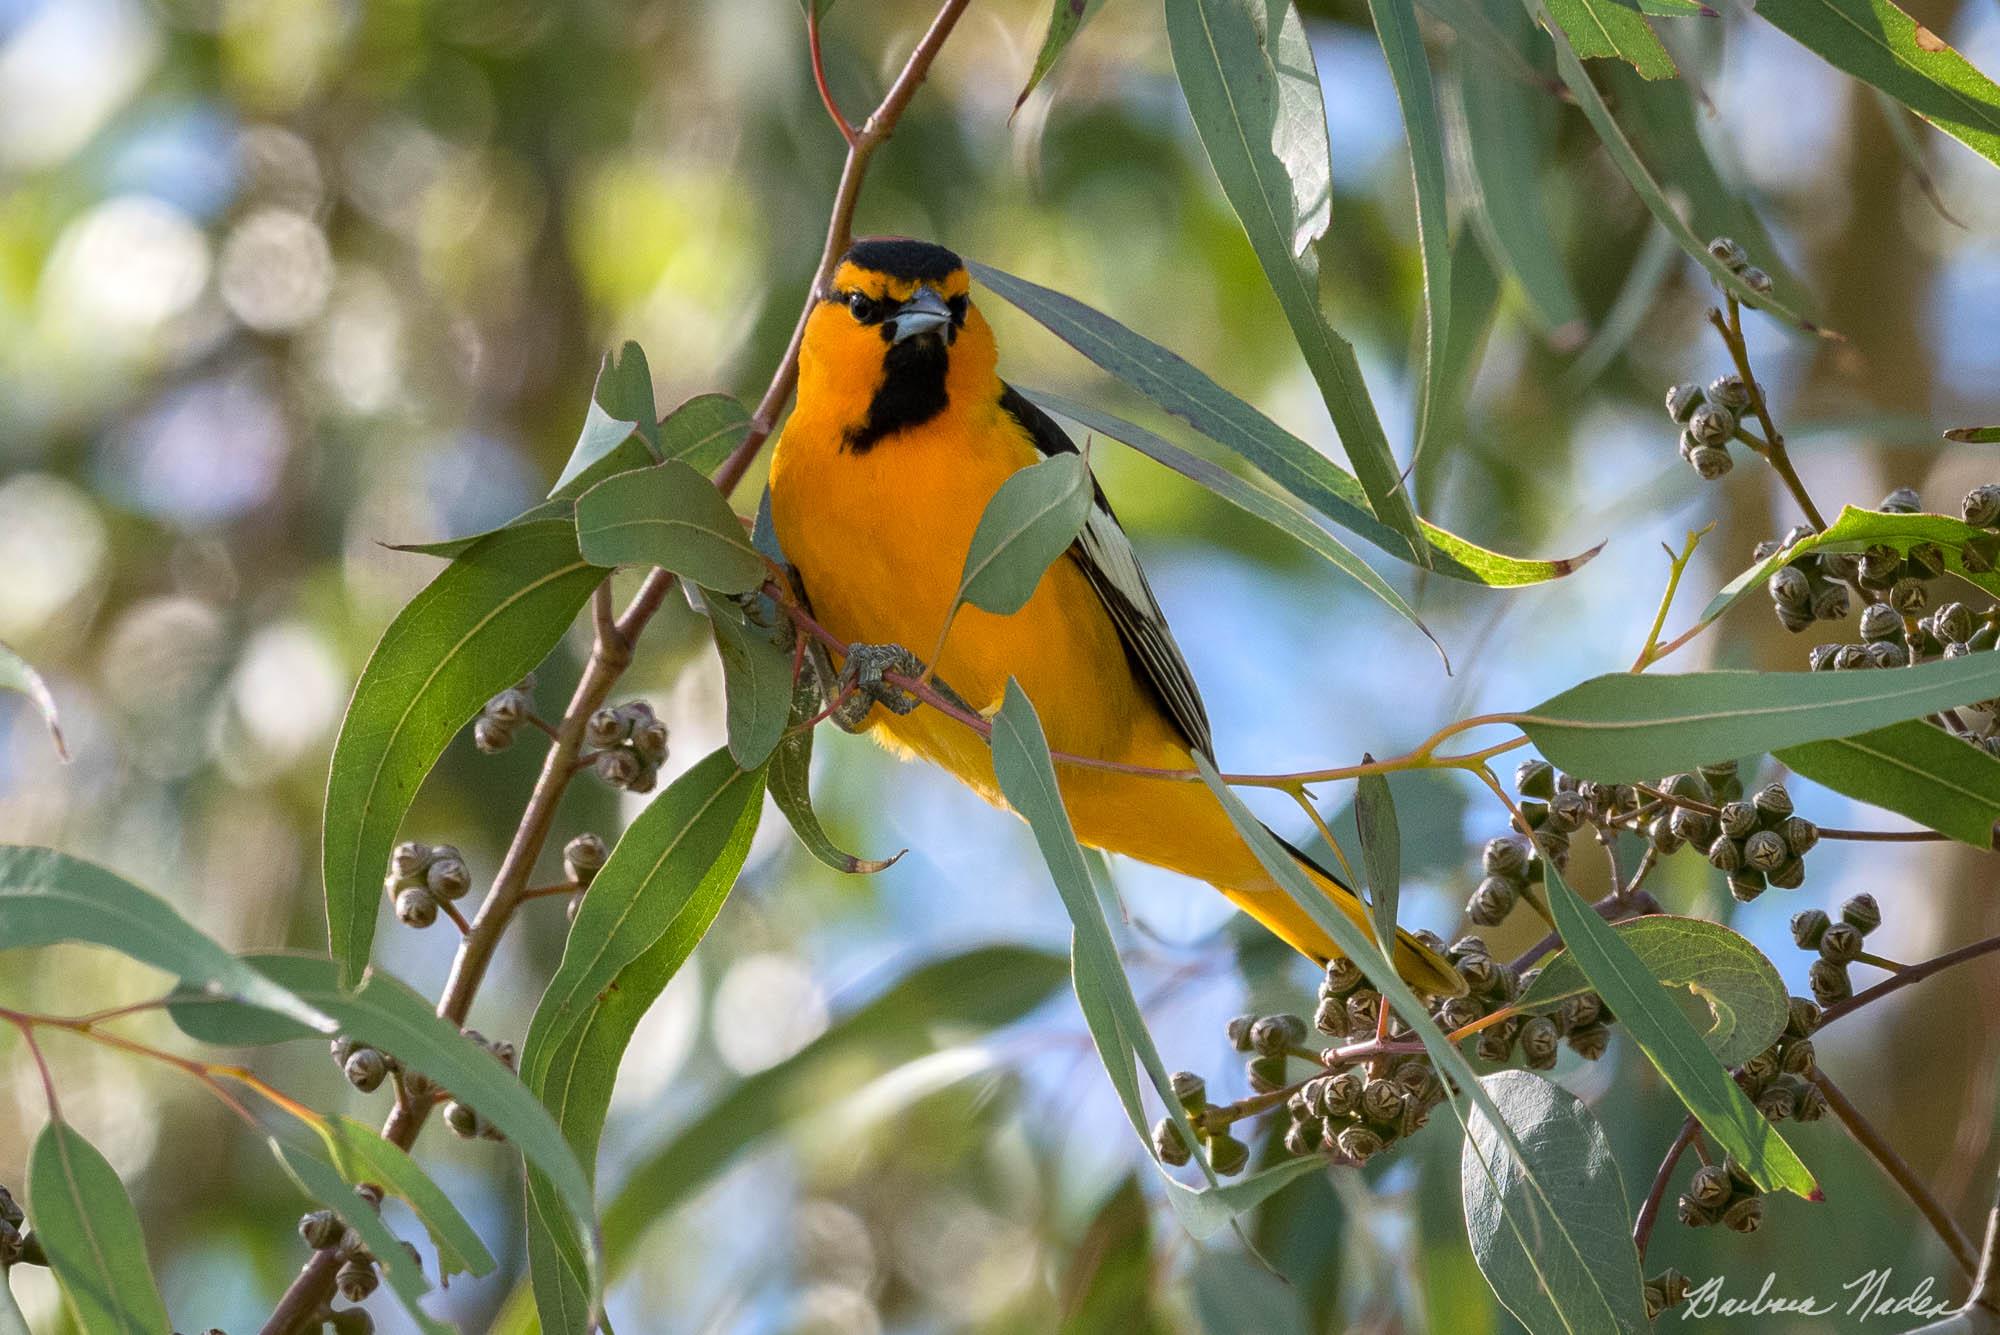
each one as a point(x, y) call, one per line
point(901, 257)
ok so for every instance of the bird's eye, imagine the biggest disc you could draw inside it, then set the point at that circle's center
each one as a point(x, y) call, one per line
point(863, 306)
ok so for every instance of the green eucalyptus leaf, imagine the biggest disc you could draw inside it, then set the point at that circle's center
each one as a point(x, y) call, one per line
point(1856, 530)
point(326, 1185)
point(46, 897)
point(1625, 727)
point(90, 1234)
point(1605, 28)
point(1880, 44)
point(1247, 71)
point(364, 1156)
point(1728, 978)
point(1661, 1028)
point(1031, 521)
point(1565, 1144)
point(1974, 435)
point(621, 430)
point(672, 517)
point(485, 622)
point(1915, 769)
point(1065, 18)
point(791, 785)
point(561, 507)
point(1188, 394)
point(1381, 852)
point(16, 675)
point(757, 681)
point(644, 913)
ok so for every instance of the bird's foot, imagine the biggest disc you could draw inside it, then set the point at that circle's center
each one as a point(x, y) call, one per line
point(863, 687)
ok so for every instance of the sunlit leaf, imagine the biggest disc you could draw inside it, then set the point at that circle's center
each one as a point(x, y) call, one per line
point(90, 1234)
point(1565, 1144)
point(1626, 727)
point(16, 675)
point(672, 517)
point(621, 430)
point(1974, 435)
point(1031, 520)
point(46, 897)
point(1191, 396)
point(485, 622)
point(1247, 71)
point(644, 913)
point(1065, 17)
point(1656, 1022)
point(1745, 998)
point(363, 1156)
point(1913, 768)
point(1605, 28)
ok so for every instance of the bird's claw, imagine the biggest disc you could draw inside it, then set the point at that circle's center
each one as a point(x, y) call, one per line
point(862, 686)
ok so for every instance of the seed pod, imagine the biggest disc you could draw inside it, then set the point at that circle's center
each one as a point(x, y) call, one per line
point(1793, 619)
point(1762, 1066)
point(1342, 1095)
point(1832, 603)
point(1800, 834)
point(1982, 506)
point(1238, 1031)
point(1497, 1043)
point(415, 907)
point(1852, 656)
point(1822, 656)
point(1803, 1018)
point(1879, 621)
point(1908, 596)
point(320, 1229)
point(1797, 1057)
point(1693, 1214)
point(1665, 1291)
point(491, 736)
point(1925, 561)
point(1539, 1041)
point(607, 728)
point(1567, 812)
point(1839, 565)
point(1729, 391)
point(448, 877)
point(1808, 926)
point(649, 739)
point(1228, 1155)
point(1382, 1102)
point(1775, 1102)
point(1696, 827)
point(463, 1121)
point(1789, 587)
point(1711, 424)
point(1745, 1215)
point(1862, 913)
point(1841, 943)
point(1710, 1186)
point(1746, 884)
point(1773, 802)
point(408, 859)
point(1458, 1012)
point(1190, 1089)
point(1168, 1143)
point(1275, 1034)
point(1589, 1041)
point(1710, 461)
point(1979, 555)
point(583, 856)
point(1682, 400)
point(1662, 837)
point(1728, 254)
point(1888, 654)
point(1757, 281)
point(1953, 621)
point(366, 1069)
point(621, 768)
point(1811, 1104)
point(1901, 501)
point(1480, 973)
point(1359, 1143)
point(1492, 901)
point(1330, 1018)
point(1879, 567)
point(1266, 1073)
point(1725, 854)
point(1303, 1138)
point(1788, 877)
point(1505, 856)
point(355, 1280)
point(1364, 1007)
point(1829, 981)
point(1469, 944)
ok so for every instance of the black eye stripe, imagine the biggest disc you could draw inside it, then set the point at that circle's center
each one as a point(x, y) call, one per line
point(958, 305)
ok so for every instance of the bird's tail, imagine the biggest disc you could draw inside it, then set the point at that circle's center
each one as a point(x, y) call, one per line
point(1419, 965)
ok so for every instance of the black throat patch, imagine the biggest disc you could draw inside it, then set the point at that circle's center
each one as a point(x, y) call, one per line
point(912, 391)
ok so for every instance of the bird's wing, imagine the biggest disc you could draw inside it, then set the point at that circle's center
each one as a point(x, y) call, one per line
point(1107, 558)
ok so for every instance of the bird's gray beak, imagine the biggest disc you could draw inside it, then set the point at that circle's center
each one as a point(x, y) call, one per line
point(922, 313)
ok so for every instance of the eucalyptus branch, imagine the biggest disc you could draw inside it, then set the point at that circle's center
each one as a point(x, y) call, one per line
point(1772, 447)
point(611, 653)
point(1649, 1209)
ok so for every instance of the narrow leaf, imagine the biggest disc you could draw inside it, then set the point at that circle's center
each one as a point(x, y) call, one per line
point(1247, 71)
point(791, 786)
point(1403, 48)
point(621, 430)
point(1186, 393)
point(757, 681)
point(46, 897)
point(1623, 727)
point(486, 621)
point(1880, 44)
point(1915, 769)
point(672, 517)
point(1565, 1144)
point(1381, 853)
point(1277, 509)
point(1974, 435)
point(1856, 530)
point(325, 1185)
point(1746, 1000)
point(16, 675)
point(1675, 1047)
point(1605, 28)
point(646, 910)
point(561, 507)
point(1031, 520)
point(90, 1233)
point(1065, 17)
point(363, 1156)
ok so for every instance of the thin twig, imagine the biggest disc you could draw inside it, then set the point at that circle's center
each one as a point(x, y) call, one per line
point(1773, 450)
point(1869, 1138)
point(1649, 1210)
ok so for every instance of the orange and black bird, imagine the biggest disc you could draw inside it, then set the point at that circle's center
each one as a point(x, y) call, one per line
point(902, 433)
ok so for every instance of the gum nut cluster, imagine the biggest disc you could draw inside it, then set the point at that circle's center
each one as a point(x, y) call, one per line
point(365, 1067)
point(1708, 417)
point(583, 857)
point(1839, 943)
point(1722, 1193)
point(1759, 843)
point(1226, 1154)
point(1584, 1020)
point(1779, 1080)
point(1665, 1291)
point(421, 877)
point(465, 1123)
point(494, 729)
point(631, 745)
point(1734, 258)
